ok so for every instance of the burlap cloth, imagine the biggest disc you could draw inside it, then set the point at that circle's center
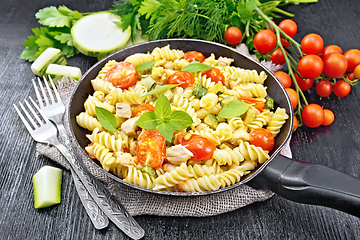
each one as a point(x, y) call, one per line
point(139, 202)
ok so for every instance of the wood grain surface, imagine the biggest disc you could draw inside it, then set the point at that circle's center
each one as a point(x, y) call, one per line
point(335, 146)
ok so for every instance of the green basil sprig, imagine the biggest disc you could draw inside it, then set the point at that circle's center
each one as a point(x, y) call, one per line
point(106, 118)
point(233, 109)
point(145, 66)
point(196, 67)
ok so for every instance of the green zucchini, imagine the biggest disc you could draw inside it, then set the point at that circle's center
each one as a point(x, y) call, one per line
point(149, 170)
point(47, 187)
point(50, 55)
point(199, 90)
point(227, 100)
point(269, 102)
point(99, 34)
point(56, 72)
point(211, 120)
point(148, 82)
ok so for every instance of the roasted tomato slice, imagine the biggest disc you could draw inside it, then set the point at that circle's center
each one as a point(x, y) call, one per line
point(201, 147)
point(151, 148)
point(258, 104)
point(184, 78)
point(122, 75)
point(216, 75)
point(263, 138)
point(142, 109)
point(194, 55)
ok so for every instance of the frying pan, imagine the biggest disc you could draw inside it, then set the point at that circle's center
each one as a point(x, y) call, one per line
point(294, 180)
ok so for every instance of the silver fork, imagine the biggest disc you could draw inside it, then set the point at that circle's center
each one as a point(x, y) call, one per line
point(54, 110)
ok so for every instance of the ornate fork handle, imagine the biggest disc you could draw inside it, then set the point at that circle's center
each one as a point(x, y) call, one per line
point(107, 203)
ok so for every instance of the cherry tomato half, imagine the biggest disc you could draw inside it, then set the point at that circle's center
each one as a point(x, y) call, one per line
point(258, 104)
point(194, 55)
point(312, 44)
point(304, 83)
point(263, 138)
point(324, 88)
point(335, 65)
point(329, 117)
point(216, 75)
point(277, 57)
point(139, 110)
point(284, 78)
point(310, 66)
point(294, 97)
point(289, 27)
point(265, 41)
point(151, 148)
point(122, 75)
point(184, 78)
point(312, 115)
point(330, 49)
point(353, 57)
point(341, 88)
point(233, 35)
point(201, 147)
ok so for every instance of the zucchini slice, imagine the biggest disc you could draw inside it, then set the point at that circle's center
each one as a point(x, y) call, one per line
point(199, 90)
point(57, 71)
point(50, 55)
point(211, 121)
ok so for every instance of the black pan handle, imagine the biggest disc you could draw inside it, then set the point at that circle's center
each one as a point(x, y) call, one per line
point(310, 184)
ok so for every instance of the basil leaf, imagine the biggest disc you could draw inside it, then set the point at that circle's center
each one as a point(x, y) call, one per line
point(166, 130)
point(162, 107)
point(180, 120)
point(196, 67)
point(161, 89)
point(233, 109)
point(147, 120)
point(145, 66)
point(106, 118)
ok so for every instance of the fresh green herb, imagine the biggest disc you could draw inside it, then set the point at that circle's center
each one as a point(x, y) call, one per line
point(165, 120)
point(145, 66)
point(196, 67)
point(149, 170)
point(233, 109)
point(160, 89)
point(106, 118)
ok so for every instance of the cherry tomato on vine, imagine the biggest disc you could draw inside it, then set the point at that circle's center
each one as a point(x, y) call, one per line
point(277, 57)
point(143, 108)
point(335, 65)
point(329, 117)
point(216, 75)
point(122, 75)
point(265, 41)
point(233, 35)
point(324, 88)
point(357, 72)
point(304, 83)
point(312, 44)
point(151, 148)
point(270, 27)
point(289, 27)
point(263, 138)
point(341, 88)
point(353, 57)
point(296, 123)
point(284, 43)
point(294, 97)
point(184, 78)
point(194, 55)
point(330, 49)
point(312, 115)
point(284, 78)
point(201, 147)
point(350, 76)
point(310, 66)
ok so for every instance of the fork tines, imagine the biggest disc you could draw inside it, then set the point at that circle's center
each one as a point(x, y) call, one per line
point(53, 95)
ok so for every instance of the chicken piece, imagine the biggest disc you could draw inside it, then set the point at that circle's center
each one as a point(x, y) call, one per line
point(170, 65)
point(129, 126)
point(178, 154)
point(224, 61)
point(239, 134)
point(123, 110)
point(125, 159)
point(168, 167)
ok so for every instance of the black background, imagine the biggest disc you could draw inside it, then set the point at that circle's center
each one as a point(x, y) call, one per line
point(335, 146)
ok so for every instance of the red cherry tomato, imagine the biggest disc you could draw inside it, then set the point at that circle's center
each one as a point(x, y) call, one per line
point(233, 35)
point(258, 104)
point(216, 75)
point(139, 110)
point(350, 76)
point(335, 65)
point(341, 88)
point(310, 66)
point(284, 43)
point(304, 83)
point(184, 78)
point(324, 88)
point(151, 148)
point(263, 138)
point(122, 75)
point(312, 115)
point(265, 41)
point(294, 97)
point(201, 147)
point(296, 123)
point(329, 117)
point(289, 27)
point(277, 57)
point(330, 49)
point(353, 57)
point(312, 44)
point(284, 78)
point(194, 55)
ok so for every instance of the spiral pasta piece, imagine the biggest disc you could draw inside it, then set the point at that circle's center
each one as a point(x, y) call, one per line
point(253, 153)
point(139, 178)
point(260, 120)
point(234, 175)
point(235, 76)
point(198, 170)
point(103, 154)
point(91, 104)
point(228, 156)
point(209, 134)
point(224, 132)
point(89, 122)
point(209, 101)
point(166, 53)
point(106, 139)
point(205, 183)
point(277, 120)
point(139, 58)
point(100, 85)
point(169, 179)
point(102, 73)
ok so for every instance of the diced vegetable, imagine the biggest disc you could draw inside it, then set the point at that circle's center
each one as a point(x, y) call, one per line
point(50, 55)
point(250, 116)
point(227, 100)
point(47, 187)
point(269, 103)
point(98, 35)
point(57, 71)
point(199, 90)
point(211, 120)
point(149, 170)
point(148, 82)
point(218, 88)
